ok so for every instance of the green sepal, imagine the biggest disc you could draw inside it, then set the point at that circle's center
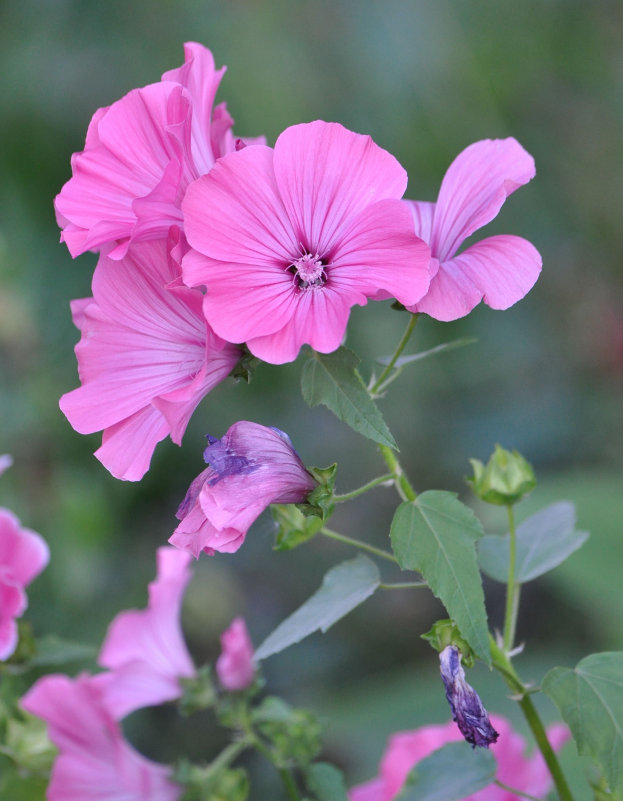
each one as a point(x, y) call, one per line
point(205, 783)
point(26, 743)
point(245, 367)
point(446, 632)
point(293, 733)
point(504, 480)
point(320, 502)
point(293, 527)
point(199, 692)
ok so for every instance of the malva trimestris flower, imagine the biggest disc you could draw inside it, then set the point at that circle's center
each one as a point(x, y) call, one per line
point(234, 667)
point(140, 155)
point(405, 749)
point(95, 761)
point(146, 358)
point(251, 466)
point(144, 650)
point(288, 240)
point(499, 270)
point(23, 555)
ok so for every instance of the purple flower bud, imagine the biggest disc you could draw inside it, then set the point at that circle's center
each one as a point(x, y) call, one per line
point(467, 710)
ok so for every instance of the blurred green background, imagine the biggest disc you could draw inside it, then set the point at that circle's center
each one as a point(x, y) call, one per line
point(424, 79)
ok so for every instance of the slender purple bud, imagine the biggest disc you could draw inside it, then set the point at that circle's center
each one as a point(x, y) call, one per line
point(467, 710)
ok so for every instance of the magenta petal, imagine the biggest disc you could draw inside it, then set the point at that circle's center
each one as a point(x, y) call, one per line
point(327, 175)
point(474, 188)
point(234, 667)
point(13, 603)
point(422, 213)
point(22, 551)
point(127, 447)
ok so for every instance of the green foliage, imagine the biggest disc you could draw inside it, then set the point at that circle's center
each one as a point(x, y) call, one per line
point(436, 535)
point(451, 773)
point(333, 379)
point(199, 692)
point(504, 480)
point(326, 782)
point(320, 501)
point(210, 783)
point(444, 633)
point(343, 588)
point(543, 542)
point(293, 734)
point(590, 699)
point(293, 527)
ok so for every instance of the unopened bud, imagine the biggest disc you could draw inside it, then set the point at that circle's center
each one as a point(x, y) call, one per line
point(504, 480)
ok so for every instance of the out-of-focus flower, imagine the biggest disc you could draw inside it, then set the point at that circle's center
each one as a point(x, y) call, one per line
point(467, 710)
point(6, 460)
point(405, 749)
point(500, 269)
point(504, 480)
point(140, 155)
point(234, 667)
point(146, 358)
point(23, 555)
point(288, 240)
point(145, 650)
point(95, 762)
point(251, 466)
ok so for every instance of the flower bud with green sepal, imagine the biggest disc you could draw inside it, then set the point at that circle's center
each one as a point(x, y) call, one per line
point(504, 480)
point(212, 783)
point(319, 502)
point(293, 528)
point(198, 692)
point(294, 734)
point(446, 632)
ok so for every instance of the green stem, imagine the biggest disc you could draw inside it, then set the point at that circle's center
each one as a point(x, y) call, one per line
point(403, 485)
point(228, 754)
point(348, 496)
point(288, 781)
point(285, 773)
point(515, 791)
point(404, 585)
point(334, 535)
point(512, 589)
point(502, 662)
point(401, 346)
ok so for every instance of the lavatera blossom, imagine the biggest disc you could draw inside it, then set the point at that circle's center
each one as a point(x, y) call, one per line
point(140, 155)
point(234, 667)
point(146, 358)
point(528, 774)
point(499, 270)
point(288, 240)
point(250, 467)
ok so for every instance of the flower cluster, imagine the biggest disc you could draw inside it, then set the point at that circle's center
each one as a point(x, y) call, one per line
point(209, 242)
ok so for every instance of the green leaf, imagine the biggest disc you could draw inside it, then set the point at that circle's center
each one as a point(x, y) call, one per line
point(590, 700)
point(544, 541)
point(451, 773)
point(416, 357)
point(54, 651)
point(343, 588)
point(332, 379)
point(326, 782)
point(436, 535)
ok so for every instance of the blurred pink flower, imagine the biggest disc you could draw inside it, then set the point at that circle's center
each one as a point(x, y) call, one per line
point(288, 240)
point(405, 749)
point(6, 460)
point(140, 155)
point(145, 650)
point(234, 667)
point(251, 466)
point(499, 270)
point(95, 762)
point(146, 358)
point(23, 555)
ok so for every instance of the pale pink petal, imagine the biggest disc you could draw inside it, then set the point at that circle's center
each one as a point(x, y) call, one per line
point(474, 188)
point(234, 667)
point(452, 294)
point(127, 447)
point(327, 175)
point(133, 686)
point(422, 213)
point(22, 552)
point(13, 603)
point(6, 460)
point(369, 791)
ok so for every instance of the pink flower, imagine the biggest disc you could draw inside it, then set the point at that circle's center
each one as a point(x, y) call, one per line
point(287, 240)
point(251, 467)
point(140, 155)
point(234, 667)
point(499, 270)
point(23, 555)
point(145, 650)
point(146, 358)
point(406, 749)
point(6, 460)
point(95, 762)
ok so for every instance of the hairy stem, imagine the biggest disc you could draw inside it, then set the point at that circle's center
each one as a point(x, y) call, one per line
point(349, 496)
point(401, 346)
point(512, 588)
point(334, 535)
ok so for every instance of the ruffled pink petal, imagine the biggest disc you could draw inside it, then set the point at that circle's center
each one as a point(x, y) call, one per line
point(127, 447)
point(13, 603)
point(234, 667)
point(499, 270)
point(133, 686)
point(23, 552)
point(474, 188)
point(196, 534)
point(422, 213)
point(327, 175)
point(369, 791)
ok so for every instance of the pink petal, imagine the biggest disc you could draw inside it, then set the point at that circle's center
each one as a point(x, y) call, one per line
point(474, 188)
point(13, 603)
point(234, 667)
point(369, 791)
point(127, 447)
point(327, 175)
point(422, 213)
point(23, 552)
point(6, 460)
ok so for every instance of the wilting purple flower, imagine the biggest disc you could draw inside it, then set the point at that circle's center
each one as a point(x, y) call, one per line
point(467, 710)
point(251, 466)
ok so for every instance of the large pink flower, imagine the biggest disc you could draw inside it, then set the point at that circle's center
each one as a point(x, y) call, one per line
point(145, 650)
point(251, 466)
point(23, 555)
point(146, 358)
point(234, 667)
point(499, 270)
point(406, 749)
point(140, 155)
point(95, 762)
point(287, 240)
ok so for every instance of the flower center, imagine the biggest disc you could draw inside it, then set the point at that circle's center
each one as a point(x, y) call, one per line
point(308, 271)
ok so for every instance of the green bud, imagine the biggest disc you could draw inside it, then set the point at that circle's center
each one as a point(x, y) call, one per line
point(28, 745)
point(446, 632)
point(504, 480)
point(199, 692)
point(212, 782)
point(320, 501)
point(294, 734)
